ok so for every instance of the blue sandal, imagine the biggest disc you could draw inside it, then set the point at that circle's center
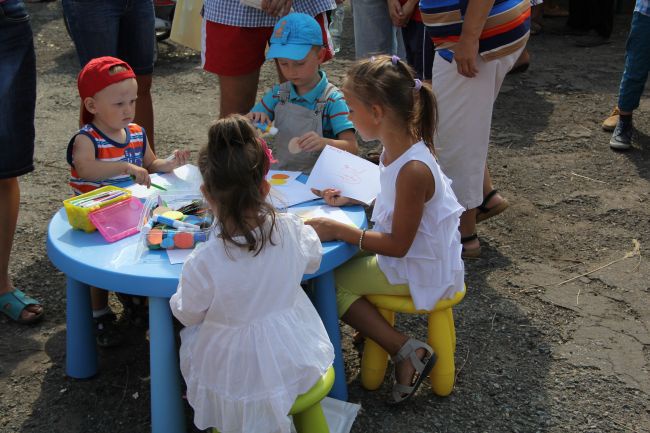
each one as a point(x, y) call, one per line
point(13, 303)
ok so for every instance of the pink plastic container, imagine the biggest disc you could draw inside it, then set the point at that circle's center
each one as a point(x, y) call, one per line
point(118, 220)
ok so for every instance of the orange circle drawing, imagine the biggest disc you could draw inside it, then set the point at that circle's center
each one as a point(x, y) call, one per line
point(280, 176)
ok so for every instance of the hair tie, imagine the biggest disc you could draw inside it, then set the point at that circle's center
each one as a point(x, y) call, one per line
point(372, 58)
point(268, 154)
point(418, 85)
point(394, 59)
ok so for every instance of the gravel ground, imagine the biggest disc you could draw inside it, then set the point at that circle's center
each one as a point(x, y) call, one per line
point(553, 334)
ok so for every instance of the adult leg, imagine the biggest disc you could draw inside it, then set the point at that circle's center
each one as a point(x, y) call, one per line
point(579, 15)
point(635, 75)
point(144, 108)
point(462, 151)
point(136, 44)
point(601, 17)
point(17, 103)
point(373, 30)
point(637, 64)
point(237, 93)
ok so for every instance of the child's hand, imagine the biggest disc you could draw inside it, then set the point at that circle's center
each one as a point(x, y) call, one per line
point(180, 158)
point(140, 175)
point(326, 229)
point(311, 142)
point(332, 197)
point(258, 117)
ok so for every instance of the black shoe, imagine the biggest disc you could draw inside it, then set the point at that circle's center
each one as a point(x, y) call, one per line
point(107, 331)
point(136, 310)
point(592, 39)
point(622, 136)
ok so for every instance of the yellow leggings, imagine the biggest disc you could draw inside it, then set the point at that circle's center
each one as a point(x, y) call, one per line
point(361, 276)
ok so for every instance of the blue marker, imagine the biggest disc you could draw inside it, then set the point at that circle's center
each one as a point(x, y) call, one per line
point(173, 223)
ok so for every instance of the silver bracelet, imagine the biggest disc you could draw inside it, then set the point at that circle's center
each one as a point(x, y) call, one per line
point(363, 233)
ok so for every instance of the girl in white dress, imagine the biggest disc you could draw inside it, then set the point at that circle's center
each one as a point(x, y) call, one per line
point(253, 341)
point(415, 237)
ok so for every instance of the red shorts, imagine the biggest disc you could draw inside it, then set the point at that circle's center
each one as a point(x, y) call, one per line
point(233, 51)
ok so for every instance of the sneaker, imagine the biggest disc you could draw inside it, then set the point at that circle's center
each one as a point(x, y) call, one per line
point(610, 123)
point(622, 136)
point(107, 332)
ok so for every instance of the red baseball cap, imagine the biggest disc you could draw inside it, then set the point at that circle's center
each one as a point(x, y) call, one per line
point(95, 76)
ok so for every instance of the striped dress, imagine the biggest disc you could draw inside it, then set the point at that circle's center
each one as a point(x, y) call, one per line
point(132, 151)
point(506, 29)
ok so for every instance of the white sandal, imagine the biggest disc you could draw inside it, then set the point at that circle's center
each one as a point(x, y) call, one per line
point(422, 368)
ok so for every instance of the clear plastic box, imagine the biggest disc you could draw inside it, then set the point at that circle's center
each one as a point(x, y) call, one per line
point(77, 209)
point(160, 236)
point(118, 220)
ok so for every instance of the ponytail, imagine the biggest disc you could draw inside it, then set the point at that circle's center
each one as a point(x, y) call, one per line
point(427, 118)
point(391, 83)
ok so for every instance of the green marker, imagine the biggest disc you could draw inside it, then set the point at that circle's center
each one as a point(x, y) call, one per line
point(153, 184)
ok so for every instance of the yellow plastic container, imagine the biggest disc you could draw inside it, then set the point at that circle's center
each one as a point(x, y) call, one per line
point(78, 214)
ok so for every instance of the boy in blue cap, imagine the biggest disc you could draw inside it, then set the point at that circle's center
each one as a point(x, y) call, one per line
point(308, 111)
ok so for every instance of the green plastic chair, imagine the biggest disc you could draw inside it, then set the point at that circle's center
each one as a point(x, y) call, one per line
point(307, 412)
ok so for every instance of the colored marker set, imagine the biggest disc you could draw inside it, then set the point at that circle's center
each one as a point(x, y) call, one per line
point(175, 221)
point(79, 208)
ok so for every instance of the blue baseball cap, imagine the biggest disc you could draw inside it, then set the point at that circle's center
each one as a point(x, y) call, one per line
point(293, 36)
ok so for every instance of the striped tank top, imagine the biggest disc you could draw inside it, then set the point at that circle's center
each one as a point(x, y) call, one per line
point(132, 151)
point(506, 29)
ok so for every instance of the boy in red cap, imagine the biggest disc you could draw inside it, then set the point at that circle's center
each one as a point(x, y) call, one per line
point(111, 149)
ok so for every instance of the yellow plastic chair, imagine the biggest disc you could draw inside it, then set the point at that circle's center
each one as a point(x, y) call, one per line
point(307, 412)
point(441, 337)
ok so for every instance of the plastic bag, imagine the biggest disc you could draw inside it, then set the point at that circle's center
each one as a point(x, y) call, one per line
point(188, 23)
point(340, 415)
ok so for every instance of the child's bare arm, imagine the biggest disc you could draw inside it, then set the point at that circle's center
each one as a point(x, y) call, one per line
point(415, 186)
point(312, 142)
point(154, 164)
point(88, 167)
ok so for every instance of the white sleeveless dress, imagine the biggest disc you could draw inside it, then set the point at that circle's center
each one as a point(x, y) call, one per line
point(433, 267)
point(253, 341)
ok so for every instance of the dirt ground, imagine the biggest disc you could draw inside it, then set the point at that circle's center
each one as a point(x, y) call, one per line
point(553, 335)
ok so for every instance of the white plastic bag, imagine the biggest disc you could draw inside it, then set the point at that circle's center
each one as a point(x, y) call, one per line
point(340, 415)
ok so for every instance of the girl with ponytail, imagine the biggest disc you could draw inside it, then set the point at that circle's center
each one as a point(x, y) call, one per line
point(414, 247)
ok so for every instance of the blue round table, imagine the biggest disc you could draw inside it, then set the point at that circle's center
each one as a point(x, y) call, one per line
point(87, 259)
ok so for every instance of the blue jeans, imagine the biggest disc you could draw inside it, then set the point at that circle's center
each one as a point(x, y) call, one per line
point(118, 28)
point(637, 63)
point(17, 90)
point(374, 32)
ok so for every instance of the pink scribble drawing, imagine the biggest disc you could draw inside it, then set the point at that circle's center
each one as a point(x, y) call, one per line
point(351, 175)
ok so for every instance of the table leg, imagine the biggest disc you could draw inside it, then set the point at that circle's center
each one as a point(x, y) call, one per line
point(325, 303)
point(80, 350)
point(167, 414)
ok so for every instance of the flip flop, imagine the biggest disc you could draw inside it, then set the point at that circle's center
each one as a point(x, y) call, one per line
point(483, 212)
point(471, 253)
point(13, 303)
point(423, 367)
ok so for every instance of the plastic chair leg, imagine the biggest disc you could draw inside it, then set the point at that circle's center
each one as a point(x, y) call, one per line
point(452, 327)
point(440, 339)
point(375, 359)
point(311, 420)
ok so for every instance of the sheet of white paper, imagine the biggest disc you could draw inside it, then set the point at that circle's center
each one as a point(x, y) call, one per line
point(185, 178)
point(286, 190)
point(178, 255)
point(322, 211)
point(353, 176)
